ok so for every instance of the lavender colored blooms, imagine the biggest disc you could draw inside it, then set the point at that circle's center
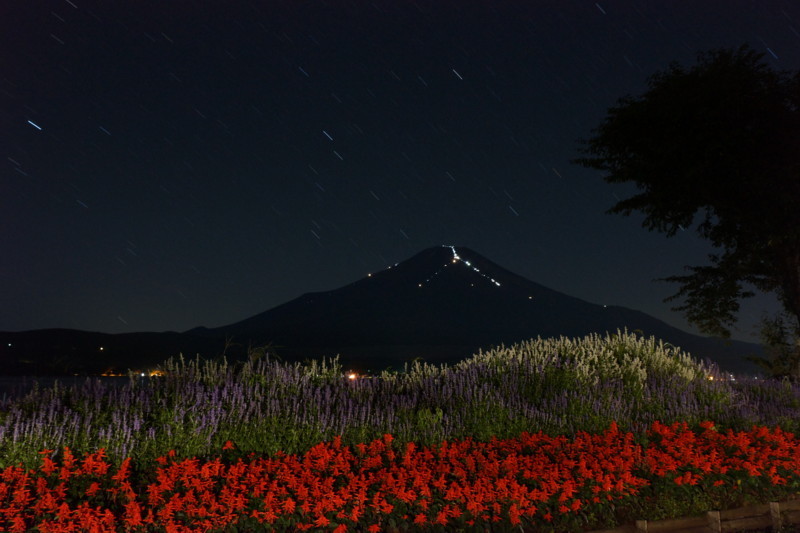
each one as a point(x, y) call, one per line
point(559, 386)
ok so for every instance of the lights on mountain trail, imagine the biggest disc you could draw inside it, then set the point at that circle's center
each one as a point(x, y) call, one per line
point(456, 259)
point(455, 254)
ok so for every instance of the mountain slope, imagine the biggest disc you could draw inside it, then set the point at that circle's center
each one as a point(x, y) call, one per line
point(448, 302)
point(442, 305)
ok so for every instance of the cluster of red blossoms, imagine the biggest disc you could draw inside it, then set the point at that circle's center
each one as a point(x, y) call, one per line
point(526, 480)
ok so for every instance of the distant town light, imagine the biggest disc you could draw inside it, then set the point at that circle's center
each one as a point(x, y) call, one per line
point(352, 375)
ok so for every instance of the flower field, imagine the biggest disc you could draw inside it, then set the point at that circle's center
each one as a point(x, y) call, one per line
point(534, 480)
point(550, 435)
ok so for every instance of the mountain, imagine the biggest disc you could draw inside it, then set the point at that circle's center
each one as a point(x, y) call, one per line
point(441, 305)
point(71, 351)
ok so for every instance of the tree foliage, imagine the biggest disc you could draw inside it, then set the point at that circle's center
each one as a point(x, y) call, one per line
point(717, 144)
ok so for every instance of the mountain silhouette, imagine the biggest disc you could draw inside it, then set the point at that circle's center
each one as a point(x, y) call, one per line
point(441, 305)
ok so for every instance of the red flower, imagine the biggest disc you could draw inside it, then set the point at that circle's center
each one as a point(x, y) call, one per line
point(92, 489)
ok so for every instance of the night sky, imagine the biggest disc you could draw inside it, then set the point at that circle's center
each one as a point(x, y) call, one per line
point(168, 165)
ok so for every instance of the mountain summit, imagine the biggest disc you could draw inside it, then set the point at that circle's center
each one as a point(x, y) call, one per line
point(442, 305)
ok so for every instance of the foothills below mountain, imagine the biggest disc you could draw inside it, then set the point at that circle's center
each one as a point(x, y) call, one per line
point(442, 305)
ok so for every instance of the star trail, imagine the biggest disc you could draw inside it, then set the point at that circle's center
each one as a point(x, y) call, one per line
point(168, 165)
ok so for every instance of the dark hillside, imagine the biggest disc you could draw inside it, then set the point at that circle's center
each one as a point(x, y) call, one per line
point(442, 305)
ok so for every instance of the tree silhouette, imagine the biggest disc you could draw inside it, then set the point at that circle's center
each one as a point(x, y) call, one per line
point(720, 140)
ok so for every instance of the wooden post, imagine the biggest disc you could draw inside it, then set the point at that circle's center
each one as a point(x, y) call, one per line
point(641, 526)
point(775, 512)
point(714, 521)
